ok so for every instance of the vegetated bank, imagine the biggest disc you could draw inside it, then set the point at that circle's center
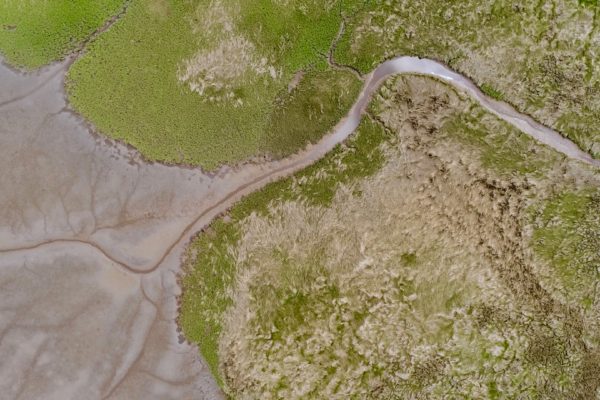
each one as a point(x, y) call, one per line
point(539, 55)
point(208, 82)
point(424, 258)
point(212, 82)
point(34, 33)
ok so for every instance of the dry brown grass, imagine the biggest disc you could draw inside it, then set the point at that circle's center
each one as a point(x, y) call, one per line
point(228, 63)
point(442, 214)
point(417, 282)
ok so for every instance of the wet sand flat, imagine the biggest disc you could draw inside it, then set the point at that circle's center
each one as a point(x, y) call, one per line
point(74, 209)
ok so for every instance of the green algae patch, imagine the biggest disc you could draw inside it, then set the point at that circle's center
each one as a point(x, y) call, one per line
point(36, 32)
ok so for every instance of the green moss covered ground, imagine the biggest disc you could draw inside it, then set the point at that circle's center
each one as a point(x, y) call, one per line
point(208, 82)
point(36, 32)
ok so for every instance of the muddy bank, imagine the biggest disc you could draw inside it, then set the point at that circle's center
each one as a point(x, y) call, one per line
point(73, 203)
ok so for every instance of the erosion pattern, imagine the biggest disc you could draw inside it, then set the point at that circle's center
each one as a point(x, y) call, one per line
point(78, 216)
point(91, 239)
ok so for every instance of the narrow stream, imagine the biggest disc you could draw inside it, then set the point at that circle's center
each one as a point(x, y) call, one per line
point(91, 240)
point(423, 66)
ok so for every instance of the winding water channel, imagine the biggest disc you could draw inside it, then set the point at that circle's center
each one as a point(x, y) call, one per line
point(91, 239)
